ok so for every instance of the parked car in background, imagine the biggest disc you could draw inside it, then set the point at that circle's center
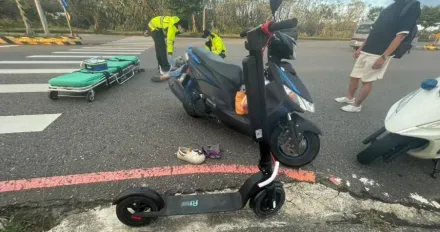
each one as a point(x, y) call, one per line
point(360, 35)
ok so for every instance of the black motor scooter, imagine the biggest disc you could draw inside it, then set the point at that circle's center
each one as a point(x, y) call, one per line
point(210, 89)
point(138, 206)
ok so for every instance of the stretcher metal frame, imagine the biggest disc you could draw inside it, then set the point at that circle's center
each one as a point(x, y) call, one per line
point(119, 77)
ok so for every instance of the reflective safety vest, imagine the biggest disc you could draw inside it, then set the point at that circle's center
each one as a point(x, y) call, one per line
point(218, 46)
point(166, 24)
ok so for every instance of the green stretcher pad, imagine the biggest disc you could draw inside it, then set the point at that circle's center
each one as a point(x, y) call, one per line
point(84, 77)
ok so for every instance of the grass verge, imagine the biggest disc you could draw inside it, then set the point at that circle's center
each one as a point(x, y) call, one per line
point(15, 226)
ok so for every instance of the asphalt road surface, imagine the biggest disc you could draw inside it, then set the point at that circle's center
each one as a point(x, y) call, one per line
point(140, 124)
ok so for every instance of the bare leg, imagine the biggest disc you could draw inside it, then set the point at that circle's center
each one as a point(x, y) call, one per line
point(164, 77)
point(352, 87)
point(365, 91)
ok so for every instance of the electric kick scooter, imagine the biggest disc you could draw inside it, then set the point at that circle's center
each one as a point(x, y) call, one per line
point(139, 206)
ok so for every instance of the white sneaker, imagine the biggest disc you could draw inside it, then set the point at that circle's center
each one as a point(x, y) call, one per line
point(344, 100)
point(352, 108)
point(188, 155)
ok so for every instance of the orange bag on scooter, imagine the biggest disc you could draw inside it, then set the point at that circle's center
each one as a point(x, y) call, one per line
point(241, 103)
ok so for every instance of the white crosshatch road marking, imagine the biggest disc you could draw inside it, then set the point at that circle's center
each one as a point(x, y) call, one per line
point(26, 123)
point(35, 71)
point(23, 88)
point(67, 56)
point(39, 62)
point(85, 52)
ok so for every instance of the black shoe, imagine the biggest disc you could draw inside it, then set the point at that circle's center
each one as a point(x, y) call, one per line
point(156, 79)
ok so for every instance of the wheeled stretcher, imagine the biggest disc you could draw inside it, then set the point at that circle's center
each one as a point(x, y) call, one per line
point(120, 69)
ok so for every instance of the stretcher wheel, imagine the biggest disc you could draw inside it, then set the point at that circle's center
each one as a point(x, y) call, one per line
point(90, 95)
point(53, 95)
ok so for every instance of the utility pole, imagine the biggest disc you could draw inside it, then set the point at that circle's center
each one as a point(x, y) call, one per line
point(65, 4)
point(68, 20)
point(204, 18)
point(27, 24)
point(42, 17)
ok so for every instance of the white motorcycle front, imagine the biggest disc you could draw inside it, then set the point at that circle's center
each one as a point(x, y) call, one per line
point(412, 126)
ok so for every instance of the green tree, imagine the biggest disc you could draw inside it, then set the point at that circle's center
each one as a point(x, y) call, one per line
point(430, 15)
point(374, 12)
point(51, 6)
point(186, 8)
point(9, 10)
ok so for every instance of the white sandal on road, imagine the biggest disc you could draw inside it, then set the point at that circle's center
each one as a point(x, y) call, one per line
point(188, 155)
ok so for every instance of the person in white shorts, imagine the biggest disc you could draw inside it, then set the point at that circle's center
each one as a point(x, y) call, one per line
point(374, 56)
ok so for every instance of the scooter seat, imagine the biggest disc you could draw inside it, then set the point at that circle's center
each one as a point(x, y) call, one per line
point(214, 62)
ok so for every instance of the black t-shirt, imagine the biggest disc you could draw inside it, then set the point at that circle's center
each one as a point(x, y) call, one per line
point(389, 24)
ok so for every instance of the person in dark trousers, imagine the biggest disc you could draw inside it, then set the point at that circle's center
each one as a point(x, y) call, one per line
point(164, 29)
point(373, 57)
point(214, 43)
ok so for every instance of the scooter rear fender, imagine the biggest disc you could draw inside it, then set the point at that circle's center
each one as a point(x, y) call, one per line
point(177, 88)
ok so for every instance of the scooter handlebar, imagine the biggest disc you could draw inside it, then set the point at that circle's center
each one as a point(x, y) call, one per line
point(286, 24)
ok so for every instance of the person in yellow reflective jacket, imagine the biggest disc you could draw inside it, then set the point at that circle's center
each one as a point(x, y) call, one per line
point(214, 43)
point(164, 29)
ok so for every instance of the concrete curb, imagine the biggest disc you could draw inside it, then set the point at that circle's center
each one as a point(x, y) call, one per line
point(428, 48)
point(431, 47)
point(55, 40)
point(308, 205)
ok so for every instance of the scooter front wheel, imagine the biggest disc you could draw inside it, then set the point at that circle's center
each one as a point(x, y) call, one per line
point(263, 206)
point(136, 204)
point(386, 145)
point(284, 150)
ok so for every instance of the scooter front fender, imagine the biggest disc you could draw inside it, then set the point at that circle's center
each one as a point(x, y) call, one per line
point(373, 136)
point(139, 191)
point(303, 125)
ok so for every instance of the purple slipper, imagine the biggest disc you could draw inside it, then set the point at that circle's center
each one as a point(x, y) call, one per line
point(212, 152)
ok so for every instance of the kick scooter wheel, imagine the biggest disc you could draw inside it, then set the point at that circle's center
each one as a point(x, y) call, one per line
point(264, 207)
point(136, 204)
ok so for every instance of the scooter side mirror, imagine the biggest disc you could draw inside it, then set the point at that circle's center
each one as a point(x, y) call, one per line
point(274, 5)
point(429, 84)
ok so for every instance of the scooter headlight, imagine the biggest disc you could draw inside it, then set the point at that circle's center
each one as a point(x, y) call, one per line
point(406, 99)
point(432, 125)
point(427, 126)
point(303, 103)
point(400, 104)
point(186, 56)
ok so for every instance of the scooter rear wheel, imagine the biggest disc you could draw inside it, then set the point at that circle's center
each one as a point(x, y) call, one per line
point(137, 204)
point(262, 205)
point(191, 108)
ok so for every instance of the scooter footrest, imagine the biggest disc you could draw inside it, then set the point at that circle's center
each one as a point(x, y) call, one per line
point(207, 203)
